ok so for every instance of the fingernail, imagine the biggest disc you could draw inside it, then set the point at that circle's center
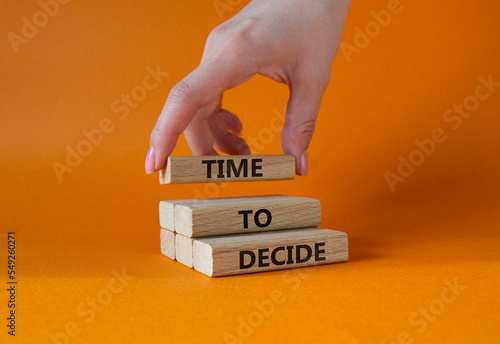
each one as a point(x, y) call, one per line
point(304, 164)
point(150, 161)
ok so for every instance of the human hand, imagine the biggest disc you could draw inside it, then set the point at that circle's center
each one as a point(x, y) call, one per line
point(293, 42)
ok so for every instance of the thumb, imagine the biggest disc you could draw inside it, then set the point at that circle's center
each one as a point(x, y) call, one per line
point(301, 113)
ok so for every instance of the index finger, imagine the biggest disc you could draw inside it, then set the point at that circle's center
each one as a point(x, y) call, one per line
point(201, 87)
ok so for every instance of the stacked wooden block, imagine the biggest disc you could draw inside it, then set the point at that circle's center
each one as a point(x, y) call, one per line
point(238, 235)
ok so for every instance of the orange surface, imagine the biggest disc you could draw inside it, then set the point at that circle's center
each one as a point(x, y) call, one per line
point(439, 226)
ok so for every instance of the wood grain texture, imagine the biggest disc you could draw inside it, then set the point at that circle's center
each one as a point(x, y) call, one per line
point(184, 250)
point(167, 215)
point(221, 256)
point(167, 243)
point(227, 168)
point(236, 215)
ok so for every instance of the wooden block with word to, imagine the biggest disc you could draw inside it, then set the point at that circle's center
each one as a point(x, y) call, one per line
point(184, 250)
point(227, 168)
point(167, 243)
point(235, 215)
point(247, 253)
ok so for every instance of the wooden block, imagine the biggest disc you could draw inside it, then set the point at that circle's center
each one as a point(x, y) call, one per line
point(247, 253)
point(184, 250)
point(235, 215)
point(167, 215)
point(227, 168)
point(167, 243)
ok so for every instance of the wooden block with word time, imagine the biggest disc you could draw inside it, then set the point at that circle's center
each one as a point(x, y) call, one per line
point(227, 168)
point(247, 253)
point(235, 215)
point(167, 243)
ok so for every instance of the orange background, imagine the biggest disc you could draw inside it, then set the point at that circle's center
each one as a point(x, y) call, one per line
point(441, 224)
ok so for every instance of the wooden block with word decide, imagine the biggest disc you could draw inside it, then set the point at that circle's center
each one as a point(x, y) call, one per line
point(184, 250)
point(227, 168)
point(167, 243)
point(247, 253)
point(235, 215)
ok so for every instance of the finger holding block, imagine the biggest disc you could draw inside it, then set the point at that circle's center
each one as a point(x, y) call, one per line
point(236, 215)
point(247, 253)
point(227, 168)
